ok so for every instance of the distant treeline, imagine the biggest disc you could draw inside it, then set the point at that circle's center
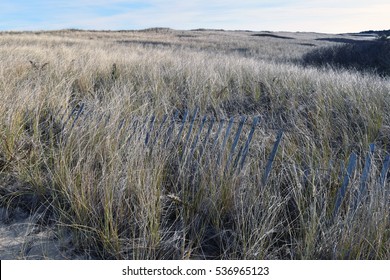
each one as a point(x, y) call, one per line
point(378, 32)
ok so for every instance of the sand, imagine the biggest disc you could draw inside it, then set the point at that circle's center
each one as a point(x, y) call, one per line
point(23, 237)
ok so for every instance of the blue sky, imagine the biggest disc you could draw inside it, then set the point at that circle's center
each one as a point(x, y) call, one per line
point(331, 16)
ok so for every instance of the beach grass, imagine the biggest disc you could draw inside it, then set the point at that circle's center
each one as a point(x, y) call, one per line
point(120, 200)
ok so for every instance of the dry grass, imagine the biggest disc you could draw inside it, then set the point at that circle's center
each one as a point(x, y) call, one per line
point(121, 201)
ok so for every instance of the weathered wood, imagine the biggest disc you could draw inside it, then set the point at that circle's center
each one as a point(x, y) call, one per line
point(342, 191)
point(385, 169)
point(187, 139)
point(152, 119)
point(75, 109)
point(271, 159)
point(142, 130)
point(158, 132)
point(77, 116)
point(197, 140)
point(197, 136)
point(221, 123)
point(171, 128)
point(183, 122)
point(228, 129)
point(108, 117)
point(237, 159)
point(120, 125)
point(363, 180)
point(248, 141)
point(205, 140)
point(235, 141)
point(133, 126)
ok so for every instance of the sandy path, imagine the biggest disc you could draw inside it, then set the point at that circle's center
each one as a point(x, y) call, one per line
point(22, 238)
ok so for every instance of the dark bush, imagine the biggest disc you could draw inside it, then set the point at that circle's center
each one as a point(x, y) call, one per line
point(360, 55)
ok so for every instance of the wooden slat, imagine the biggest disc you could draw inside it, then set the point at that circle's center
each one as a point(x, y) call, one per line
point(75, 109)
point(363, 180)
point(227, 133)
point(235, 141)
point(187, 139)
point(183, 122)
point(271, 159)
point(171, 128)
point(342, 191)
point(197, 136)
point(152, 120)
point(205, 140)
point(158, 132)
point(385, 169)
point(248, 141)
point(216, 137)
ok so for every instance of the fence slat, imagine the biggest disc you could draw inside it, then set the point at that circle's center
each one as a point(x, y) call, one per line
point(228, 129)
point(77, 116)
point(108, 117)
point(152, 119)
point(205, 140)
point(133, 126)
point(68, 118)
point(385, 169)
point(142, 129)
point(75, 109)
point(363, 181)
point(272, 158)
point(197, 136)
point(248, 141)
point(189, 132)
point(170, 128)
point(120, 126)
point(165, 117)
point(235, 141)
point(221, 123)
point(343, 189)
point(183, 122)
point(237, 159)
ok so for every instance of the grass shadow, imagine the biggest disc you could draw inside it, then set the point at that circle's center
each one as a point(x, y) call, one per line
point(360, 55)
point(273, 36)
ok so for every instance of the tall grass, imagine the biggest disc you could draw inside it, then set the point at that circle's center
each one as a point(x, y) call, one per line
point(120, 200)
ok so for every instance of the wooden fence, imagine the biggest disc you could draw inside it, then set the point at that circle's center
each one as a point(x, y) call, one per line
point(358, 195)
point(190, 134)
point(228, 140)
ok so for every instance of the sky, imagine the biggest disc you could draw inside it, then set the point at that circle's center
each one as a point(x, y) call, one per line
point(325, 16)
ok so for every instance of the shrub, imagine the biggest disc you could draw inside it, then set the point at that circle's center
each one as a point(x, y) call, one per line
point(362, 56)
